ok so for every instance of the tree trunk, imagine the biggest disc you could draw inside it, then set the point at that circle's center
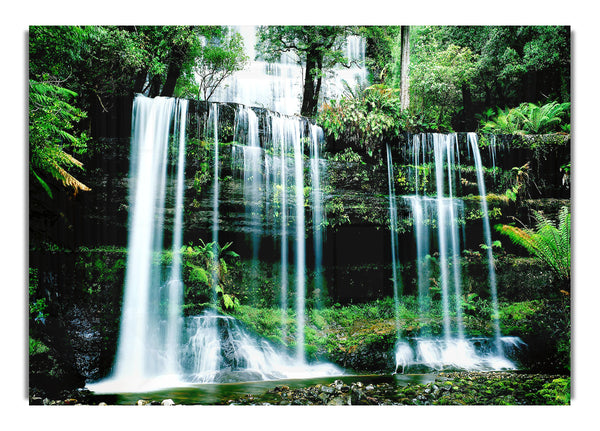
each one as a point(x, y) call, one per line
point(175, 65)
point(469, 120)
point(140, 80)
point(172, 76)
point(404, 84)
point(154, 86)
point(311, 85)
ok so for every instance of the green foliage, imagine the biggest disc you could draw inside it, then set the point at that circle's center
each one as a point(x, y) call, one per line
point(206, 272)
point(36, 347)
point(438, 74)
point(516, 317)
point(51, 135)
point(99, 272)
point(557, 392)
point(527, 118)
point(381, 41)
point(216, 60)
point(364, 120)
point(548, 243)
point(38, 307)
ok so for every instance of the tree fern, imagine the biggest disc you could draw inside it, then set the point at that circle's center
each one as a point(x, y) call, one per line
point(549, 243)
point(51, 120)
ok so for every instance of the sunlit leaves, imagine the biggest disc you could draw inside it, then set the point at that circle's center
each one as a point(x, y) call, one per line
point(51, 134)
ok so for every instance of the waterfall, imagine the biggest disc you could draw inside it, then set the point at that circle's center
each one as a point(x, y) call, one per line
point(472, 137)
point(318, 215)
point(280, 180)
point(148, 339)
point(213, 119)
point(278, 86)
point(300, 241)
point(275, 175)
point(453, 349)
point(219, 350)
point(175, 285)
point(157, 348)
point(394, 238)
point(247, 158)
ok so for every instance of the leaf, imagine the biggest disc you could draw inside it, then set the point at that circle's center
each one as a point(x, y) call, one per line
point(42, 182)
point(228, 302)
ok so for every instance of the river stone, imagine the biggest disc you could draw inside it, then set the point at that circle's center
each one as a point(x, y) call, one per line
point(327, 390)
point(338, 401)
point(323, 397)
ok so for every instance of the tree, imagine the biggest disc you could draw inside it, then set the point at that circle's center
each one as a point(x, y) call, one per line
point(217, 59)
point(404, 75)
point(438, 74)
point(380, 43)
point(96, 62)
point(317, 47)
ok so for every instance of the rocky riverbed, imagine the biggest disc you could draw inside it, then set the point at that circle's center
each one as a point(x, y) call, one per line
point(452, 388)
point(448, 388)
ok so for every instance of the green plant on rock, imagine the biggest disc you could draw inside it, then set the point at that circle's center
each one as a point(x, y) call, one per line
point(363, 119)
point(557, 392)
point(544, 118)
point(549, 243)
point(206, 266)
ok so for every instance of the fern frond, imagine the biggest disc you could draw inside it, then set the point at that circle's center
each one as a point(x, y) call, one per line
point(549, 243)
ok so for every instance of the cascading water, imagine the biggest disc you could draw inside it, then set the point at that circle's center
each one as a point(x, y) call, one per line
point(487, 234)
point(278, 86)
point(148, 340)
point(394, 237)
point(159, 349)
point(248, 159)
point(284, 182)
point(318, 216)
point(453, 349)
point(213, 120)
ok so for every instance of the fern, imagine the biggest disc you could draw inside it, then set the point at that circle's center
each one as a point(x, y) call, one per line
point(548, 243)
point(526, 118)
point(51, 120)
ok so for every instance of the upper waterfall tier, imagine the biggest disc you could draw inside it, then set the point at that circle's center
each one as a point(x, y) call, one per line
point(278, 85)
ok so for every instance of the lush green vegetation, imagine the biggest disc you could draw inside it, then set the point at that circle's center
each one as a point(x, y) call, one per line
point(547, 242)
point(500, 80)
point(76, 70)
point(528, 118)
point(318, 47)
point(456, 75)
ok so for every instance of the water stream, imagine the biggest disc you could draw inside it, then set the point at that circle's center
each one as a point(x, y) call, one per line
point(439, 215)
